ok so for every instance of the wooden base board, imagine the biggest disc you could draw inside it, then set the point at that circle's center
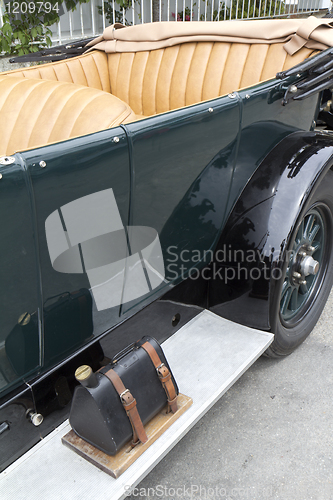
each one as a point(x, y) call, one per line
point(117, 464)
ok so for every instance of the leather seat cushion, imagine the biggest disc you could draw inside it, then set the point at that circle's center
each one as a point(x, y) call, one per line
point(90, 70)
point(165, 79)
point(38, 112)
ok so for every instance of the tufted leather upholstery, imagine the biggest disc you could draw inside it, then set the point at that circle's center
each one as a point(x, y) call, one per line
point(90, 70)
point(37, 112)
point(60, 100)
point(170, 78)
point(161, 80)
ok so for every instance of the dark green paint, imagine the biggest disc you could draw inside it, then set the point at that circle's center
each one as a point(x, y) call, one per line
point(19, 277)
point(84, 166)
point(182, 169)
point(265, 122)
point(179, 173)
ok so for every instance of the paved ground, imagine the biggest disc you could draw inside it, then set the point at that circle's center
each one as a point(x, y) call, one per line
point(269, 437)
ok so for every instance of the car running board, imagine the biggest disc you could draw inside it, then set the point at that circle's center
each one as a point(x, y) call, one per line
point(207, 355)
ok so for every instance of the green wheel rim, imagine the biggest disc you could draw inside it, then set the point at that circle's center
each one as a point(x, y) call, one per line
point(300, 287)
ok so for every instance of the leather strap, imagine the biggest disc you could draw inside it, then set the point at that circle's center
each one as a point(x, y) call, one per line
point(129, 404)
point(164, 375)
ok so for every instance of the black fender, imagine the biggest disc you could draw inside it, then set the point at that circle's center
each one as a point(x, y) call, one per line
point(249, 257)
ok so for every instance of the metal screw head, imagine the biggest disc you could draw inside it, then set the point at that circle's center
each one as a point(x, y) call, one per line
point(24, 319)
point(297, 276)
point(116, 139)
point(210, 110)
point(42, 164)
point(7, 160)
point(247, 96)
point(293, 89)
point(232, 96)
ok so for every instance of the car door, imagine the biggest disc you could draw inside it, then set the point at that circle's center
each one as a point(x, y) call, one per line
point(20, 340)
point(81, 194)
point(182, 166)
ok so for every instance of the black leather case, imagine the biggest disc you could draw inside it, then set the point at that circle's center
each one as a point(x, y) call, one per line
point(97, 414)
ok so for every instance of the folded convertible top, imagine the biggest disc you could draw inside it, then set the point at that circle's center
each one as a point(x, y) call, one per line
point(312, 33)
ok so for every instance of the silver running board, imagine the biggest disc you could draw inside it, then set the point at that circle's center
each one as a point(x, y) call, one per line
point(207, 355)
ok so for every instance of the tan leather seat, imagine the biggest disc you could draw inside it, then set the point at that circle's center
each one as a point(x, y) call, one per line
point(90, 70)
point(38, 112)
point(162, 80)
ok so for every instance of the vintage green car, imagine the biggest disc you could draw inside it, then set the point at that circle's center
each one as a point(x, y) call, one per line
point(171, 170)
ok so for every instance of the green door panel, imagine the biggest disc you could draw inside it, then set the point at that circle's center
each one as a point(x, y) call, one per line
point(95, 228)
point(182, 165)
point(81, 193)
point(265, 122)
point(19, 316)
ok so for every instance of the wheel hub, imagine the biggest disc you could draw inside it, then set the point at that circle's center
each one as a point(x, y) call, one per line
point(309, 266)
point(303, 266)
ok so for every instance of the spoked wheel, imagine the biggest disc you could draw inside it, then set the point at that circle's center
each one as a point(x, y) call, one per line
point(308, 275)
point(306, 267)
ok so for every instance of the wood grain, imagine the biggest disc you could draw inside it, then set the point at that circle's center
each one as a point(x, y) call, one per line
point(117, 464)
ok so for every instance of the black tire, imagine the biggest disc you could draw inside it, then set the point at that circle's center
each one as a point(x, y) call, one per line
point(292, 323)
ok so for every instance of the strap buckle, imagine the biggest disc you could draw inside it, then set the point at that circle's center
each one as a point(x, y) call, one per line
point(123, 394)
point(158, 368)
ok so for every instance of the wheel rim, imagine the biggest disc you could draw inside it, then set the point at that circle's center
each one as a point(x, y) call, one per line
point(302, 281)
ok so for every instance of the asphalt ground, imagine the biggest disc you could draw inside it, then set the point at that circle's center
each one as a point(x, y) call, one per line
point(269, 437)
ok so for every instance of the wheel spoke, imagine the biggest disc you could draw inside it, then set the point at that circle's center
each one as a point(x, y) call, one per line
point(286, 299)
point(316, 245)
point(300, 233)
point(293, 300)
point(287, 276)
point(284, 288)
point(304, 289)
point(314, 233)
point(308, 226)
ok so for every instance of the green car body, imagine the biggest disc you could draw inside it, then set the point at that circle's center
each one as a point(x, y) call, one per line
point(183, 174)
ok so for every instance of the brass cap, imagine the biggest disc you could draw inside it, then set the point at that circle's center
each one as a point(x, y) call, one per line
point(83, 373)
